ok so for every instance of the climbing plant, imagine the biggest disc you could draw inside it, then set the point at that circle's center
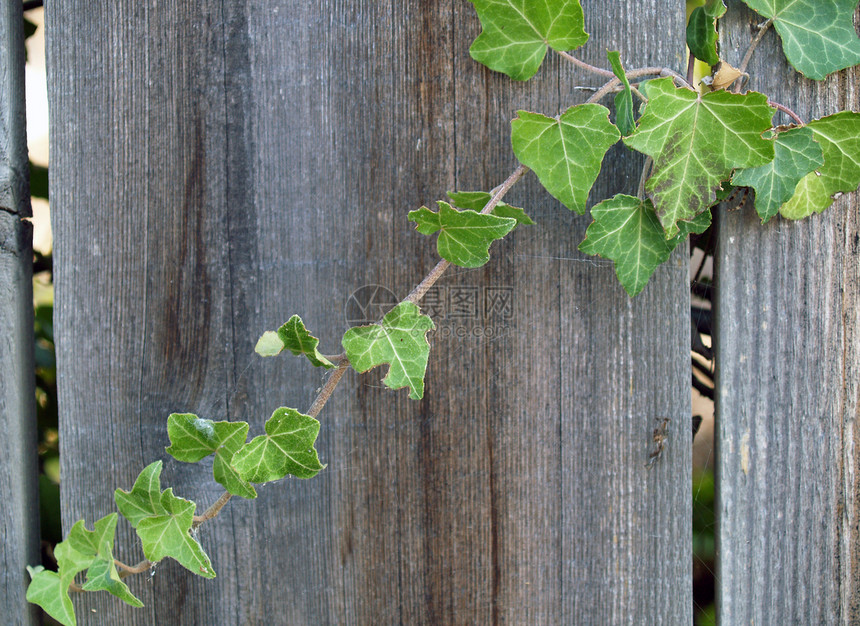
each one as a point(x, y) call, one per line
point(702, 142)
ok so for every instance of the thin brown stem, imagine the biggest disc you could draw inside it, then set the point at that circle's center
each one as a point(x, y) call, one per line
point(753, 45)
point(436, 273)
point(787, 111)
point(642, 71)
point(328, 388)
point(691, 68)
point(213, 510)
point(128, 570)
point(586, 66)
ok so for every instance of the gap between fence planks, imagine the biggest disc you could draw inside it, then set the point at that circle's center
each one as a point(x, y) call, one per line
point(19, 491)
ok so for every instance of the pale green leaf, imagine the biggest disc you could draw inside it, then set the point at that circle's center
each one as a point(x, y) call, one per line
point(626, 230)
point(695, 142)
point(477, 200)
point(702, 31)
point(624, 98)
point(193, 439)
point(93, 550)
point(796, 155)
point(465, 236)
point(565, 153)
point(400, 340)
point(294, 337)
point(51, 592)
point(286, 448)
point(818, 36)
point(163, 522)
point(839, 137)
point(516, 33)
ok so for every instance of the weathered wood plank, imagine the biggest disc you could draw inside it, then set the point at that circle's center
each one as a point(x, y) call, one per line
point(19, 491)
point(788, 361)
point(243, 163)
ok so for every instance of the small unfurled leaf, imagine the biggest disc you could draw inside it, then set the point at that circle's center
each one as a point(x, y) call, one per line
point(286, 448)
point(193, 439)
point(400, 340)
point(465, 236)
point(51, 592)
point(695, 142)
point(818, 36)
point(565, 153)
point(516, 33)
point(626, 230)
point(294, 337)
point(477, 200)
point(624, 98)
point(163, 522)
point(796, 155)
point(839, 138)
point(702, 31)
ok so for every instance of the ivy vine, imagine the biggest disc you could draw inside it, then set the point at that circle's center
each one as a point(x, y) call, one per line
point(700, 144)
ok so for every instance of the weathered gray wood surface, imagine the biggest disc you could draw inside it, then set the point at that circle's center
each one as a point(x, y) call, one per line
point(788, 362)
point(218, 167)
point(19, 491)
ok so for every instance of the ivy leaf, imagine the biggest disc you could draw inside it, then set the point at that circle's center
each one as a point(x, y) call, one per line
point(516, 33)
point(702, 31)
point(796, 155)
point(695, 142)
point(818, 37)
point(286, 448)
point(193, 439)
point(565, 153)
point(626, 230)
point(400, 340)
point(50, 591)
point(162, 522)
point(465, 236)
point(93, 551)
point(624, 98)
point(839, 137)
point(294, 337)
point(477, 200)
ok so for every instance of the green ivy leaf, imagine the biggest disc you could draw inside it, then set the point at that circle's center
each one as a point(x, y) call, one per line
point(695, 142)
point(796, 155)
point(839, 137)
point(565, 153)
point(50, 591)
point(626, 230)
point(193, 439)
point(516, 33)
point(163, 522)
point(400, 340)
point(477, 200)
point(286, 448)
point(93, 551)
point(818, 36)
point(624, 98)
point(465, 236)
point(294, 337)
point(702, 31)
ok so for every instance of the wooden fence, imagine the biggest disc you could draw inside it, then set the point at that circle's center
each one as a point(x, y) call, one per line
point(218, 166)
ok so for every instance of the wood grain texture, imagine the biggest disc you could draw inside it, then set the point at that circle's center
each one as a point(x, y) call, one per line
point(788, 361)
point(19, 490)
point(247, 161)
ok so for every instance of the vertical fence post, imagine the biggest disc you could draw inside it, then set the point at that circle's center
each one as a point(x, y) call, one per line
point(19, 494)
point(218, 166)
point(788, 377)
